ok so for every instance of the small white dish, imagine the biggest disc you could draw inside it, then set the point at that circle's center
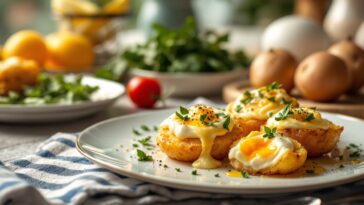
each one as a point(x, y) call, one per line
point(110, 144)
point(193, 84)
point(105, 96)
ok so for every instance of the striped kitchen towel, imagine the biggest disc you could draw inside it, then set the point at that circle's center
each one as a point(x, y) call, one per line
point(58, 174)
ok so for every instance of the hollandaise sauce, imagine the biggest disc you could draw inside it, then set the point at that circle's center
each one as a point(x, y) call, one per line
point(202, 122)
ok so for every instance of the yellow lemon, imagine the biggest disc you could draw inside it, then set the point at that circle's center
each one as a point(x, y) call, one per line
point(26, 44)
point(69, 52)
point(16, 73)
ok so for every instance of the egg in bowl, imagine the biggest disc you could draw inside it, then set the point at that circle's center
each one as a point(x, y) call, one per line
point(200, 134)
point(267, 153)
point(306, 125)
point(252, 109)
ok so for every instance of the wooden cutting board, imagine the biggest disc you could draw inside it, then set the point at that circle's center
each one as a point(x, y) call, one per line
point(348, 105)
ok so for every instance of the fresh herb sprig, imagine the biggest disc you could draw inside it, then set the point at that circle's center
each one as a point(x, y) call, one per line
point(269, 133)
point(309, 117)
point(284, 113)
point(183, 113)
point(142, 156)
point(354, 150)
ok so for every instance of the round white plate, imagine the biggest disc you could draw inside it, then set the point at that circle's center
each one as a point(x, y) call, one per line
point(107, 93)
point(110, 144)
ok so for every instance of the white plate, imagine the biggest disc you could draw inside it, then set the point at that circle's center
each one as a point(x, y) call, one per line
point(110, 144)
point(107, 93)
point(193, 84)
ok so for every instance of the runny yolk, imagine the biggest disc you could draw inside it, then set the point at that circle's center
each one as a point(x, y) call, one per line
point(254, 146)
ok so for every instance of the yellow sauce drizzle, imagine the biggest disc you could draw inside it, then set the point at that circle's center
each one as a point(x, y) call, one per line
point(205, 160)
point(234, 174)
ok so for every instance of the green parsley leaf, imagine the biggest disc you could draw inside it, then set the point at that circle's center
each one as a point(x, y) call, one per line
point(182, 117)
point(145, 141)
point(284, 113)
point(286, 102)
point(273, 86)
point(178, 169)
point(183, 110)
point(248, 97)
point(226, 123)
point(142, 156)
point(269, 133)
point(245, 174)
point(135, 145)
point(155, 128)
point(355, 150)
point(203, 117)
point(272, 99)
point(238, 108)
point(136, 132)
point(194, 172)
point(217, 175)
point(145, 128)
point(309, 117)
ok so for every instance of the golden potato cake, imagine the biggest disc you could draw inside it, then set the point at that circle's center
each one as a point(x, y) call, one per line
point(316, 141)
point(319, 136)
point(189, 149)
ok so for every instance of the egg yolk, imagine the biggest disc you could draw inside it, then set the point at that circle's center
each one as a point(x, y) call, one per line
point(254, 146)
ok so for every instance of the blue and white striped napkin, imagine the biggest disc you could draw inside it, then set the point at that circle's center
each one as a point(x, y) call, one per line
point(58, 174)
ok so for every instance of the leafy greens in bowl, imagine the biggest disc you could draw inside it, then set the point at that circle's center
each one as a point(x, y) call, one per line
point(184, 50)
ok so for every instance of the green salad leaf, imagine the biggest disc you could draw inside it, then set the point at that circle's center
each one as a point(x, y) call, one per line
point(184, 50)
point(52, 89)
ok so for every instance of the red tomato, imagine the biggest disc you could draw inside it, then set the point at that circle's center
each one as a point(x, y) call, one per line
point(144, 92)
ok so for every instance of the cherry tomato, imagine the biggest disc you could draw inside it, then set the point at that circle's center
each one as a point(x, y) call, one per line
point(144, 91)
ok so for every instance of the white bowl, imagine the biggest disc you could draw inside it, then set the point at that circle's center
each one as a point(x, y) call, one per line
point(193, 84)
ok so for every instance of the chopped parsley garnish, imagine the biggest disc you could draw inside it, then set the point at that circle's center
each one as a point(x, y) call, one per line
point(273, 86)
point(221, 114)
point(269, 133)
point(272, 99)
point(183, 113)
point(310, 171)
point(248, 97)
point(309, 117)
point(283, 114)
point(202, 119)
point(355, 150)
point(245, 174)
point(238, 108)
point(155, 128)
point(341, 166)
point(142, 156)
point(183, 110)
point(270, 114)
point(226, 123)
point(260, 94)
point(165, 166)
point(135, 145)
point(217, 175)
point(286, 102)
point(194, 172)
point(136, 132)
point(145, 141)
point(145, 128)
point(178, 169)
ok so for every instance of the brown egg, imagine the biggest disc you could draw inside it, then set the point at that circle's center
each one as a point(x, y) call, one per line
point(322, 77)
point(353, 56)
point(273, 65)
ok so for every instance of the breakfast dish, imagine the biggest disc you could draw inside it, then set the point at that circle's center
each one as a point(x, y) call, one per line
point(306, 125)
point(127, 145)
point(200, 134)
point(267, 153)
point(252, 109)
